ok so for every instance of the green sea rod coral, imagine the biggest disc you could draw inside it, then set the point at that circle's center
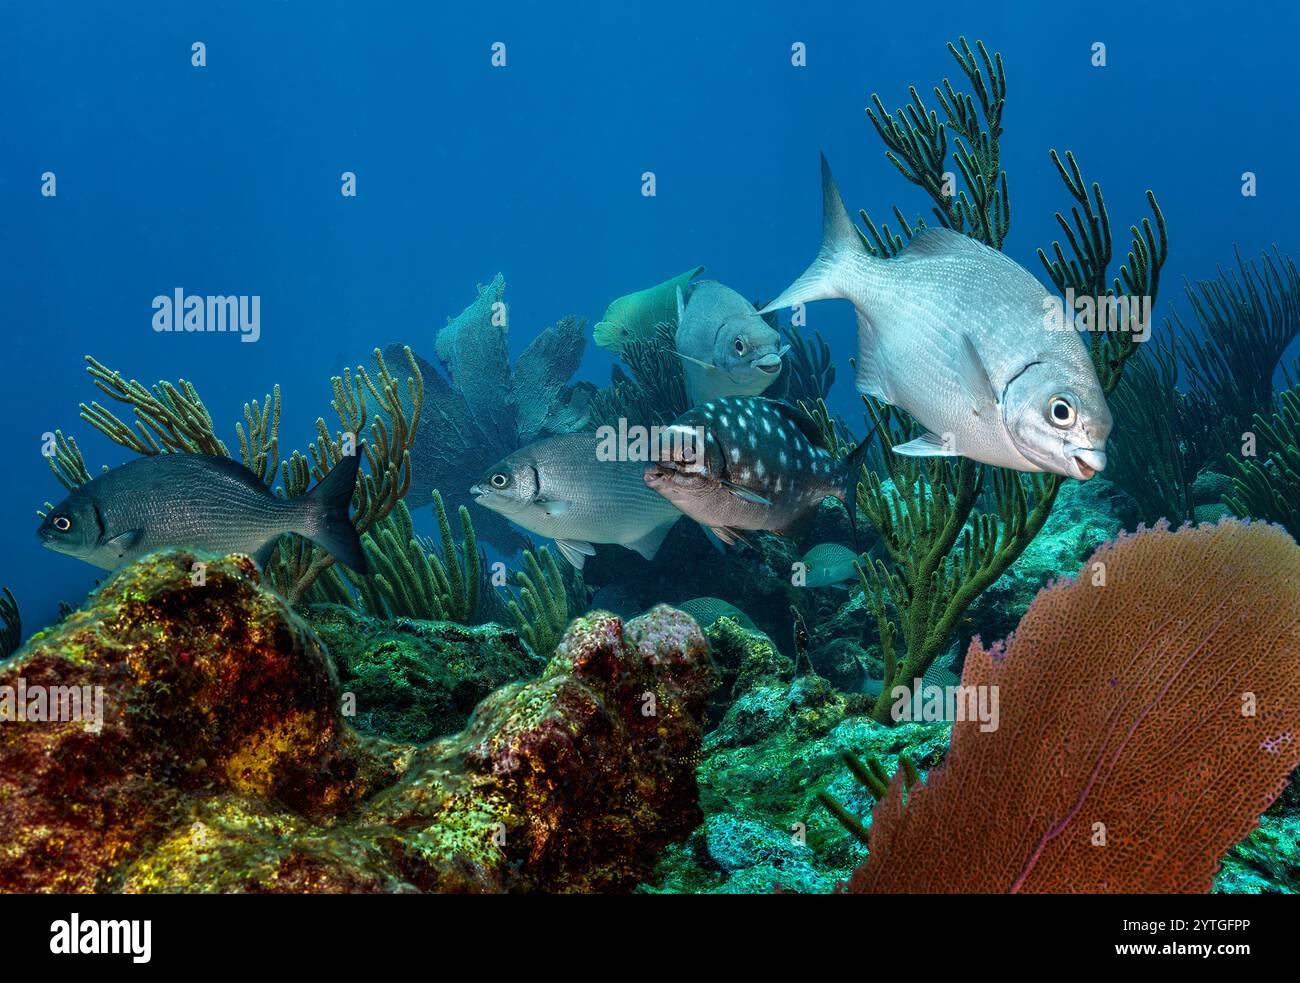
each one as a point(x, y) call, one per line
point(1245, 322)
point(942, 550)
point(11, 624)
point(1270, 489)
point(409, 579)
point(542, 610)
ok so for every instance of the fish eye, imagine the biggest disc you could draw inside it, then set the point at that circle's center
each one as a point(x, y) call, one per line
point(1061, 411)
point(499, 480)
point(740, 346)
point(62, 523)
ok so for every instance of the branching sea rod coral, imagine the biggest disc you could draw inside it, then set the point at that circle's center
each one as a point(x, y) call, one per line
point(410, 579)
point(11, 624)
point(1144, 726)
point(942, 553)
point(1270, 489)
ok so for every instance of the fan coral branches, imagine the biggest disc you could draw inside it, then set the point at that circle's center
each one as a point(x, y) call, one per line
point(1150, 711)
point(480, 409)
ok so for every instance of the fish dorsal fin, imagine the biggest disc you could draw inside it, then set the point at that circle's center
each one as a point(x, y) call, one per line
point(974, 377)
point(942, 242)
point(927, 445)
point(575, 551)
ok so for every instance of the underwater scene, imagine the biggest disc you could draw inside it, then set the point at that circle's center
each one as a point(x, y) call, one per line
point(702, 449)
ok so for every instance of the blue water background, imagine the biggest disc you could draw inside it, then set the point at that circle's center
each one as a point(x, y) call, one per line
point(225, 179)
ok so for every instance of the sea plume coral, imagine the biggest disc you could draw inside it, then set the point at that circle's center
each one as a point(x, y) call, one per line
point(1149, 712)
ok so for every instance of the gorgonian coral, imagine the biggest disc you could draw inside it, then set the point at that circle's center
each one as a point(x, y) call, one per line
point(1149, 711)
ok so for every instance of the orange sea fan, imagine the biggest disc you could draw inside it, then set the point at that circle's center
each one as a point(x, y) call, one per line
point(1149, 711)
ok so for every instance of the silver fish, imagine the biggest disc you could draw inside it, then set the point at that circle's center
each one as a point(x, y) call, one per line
point(745, 462)
point(562, 489)
point(960, 336)
point(725, 347)
point(199, 502)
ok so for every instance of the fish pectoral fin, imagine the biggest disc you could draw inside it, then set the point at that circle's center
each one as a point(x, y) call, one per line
point(974, 377)
point(730, 536)
point(648, 545)
point(124, 541)
point(707, 366)
point(927, 445)
point(575, 551)
point(745, 494)
point(553, 507)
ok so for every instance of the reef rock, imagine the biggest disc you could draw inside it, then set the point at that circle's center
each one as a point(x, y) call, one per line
point(222, 761)
point(411, 680)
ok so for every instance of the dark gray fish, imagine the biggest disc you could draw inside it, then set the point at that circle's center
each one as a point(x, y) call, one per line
point(199, 502)
point(745, 462)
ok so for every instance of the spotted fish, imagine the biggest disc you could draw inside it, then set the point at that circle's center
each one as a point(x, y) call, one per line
point(745, 462)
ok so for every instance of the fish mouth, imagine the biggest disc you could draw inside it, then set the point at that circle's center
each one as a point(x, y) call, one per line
point(771, 364)
point(480, 493)
point(1087, 462)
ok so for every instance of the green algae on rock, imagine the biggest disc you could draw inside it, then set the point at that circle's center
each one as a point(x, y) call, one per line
point(415, 680)
point(225, 764)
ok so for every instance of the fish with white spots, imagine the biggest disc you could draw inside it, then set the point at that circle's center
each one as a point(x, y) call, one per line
point(745, 462)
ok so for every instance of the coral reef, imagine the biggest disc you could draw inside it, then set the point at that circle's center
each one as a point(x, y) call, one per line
point(777, 746)
point(224, 764)
point(1141, 729)
point(481, 409)
point(411, 680)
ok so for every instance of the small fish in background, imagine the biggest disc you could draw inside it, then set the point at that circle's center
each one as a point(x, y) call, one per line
point(726, 348)
point(616, 599)
point(706, 610)
point(762, 465)
point(958, 334)
point(197, 501)
point(635, 316)
point(559, 488)
point(829, 564)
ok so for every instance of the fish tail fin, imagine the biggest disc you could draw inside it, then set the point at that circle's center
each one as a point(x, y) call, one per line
point(840, 245)
point(853, 465)
point(331, 528)
point(608, 335)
